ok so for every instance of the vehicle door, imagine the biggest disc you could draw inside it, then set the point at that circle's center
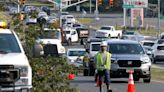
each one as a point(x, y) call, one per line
point(74, 36)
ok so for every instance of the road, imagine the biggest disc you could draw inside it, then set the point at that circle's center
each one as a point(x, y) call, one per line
point(117, 19)
point(86, 84)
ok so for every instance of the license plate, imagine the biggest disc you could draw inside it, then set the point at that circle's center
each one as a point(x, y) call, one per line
point(129, 69)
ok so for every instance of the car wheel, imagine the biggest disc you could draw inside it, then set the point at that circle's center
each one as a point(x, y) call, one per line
point(118, 36)
point(109, 36)
point(85, 72)
point(147, 80)
point(136, 78)
point(69, 42)
point(81, 42)
point(154, 61)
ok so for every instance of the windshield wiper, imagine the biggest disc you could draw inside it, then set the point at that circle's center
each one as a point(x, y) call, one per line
point(3, 52)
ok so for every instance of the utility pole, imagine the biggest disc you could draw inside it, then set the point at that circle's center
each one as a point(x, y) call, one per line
point(18, 6)
point(159, 18)
point(60, 13)
point(90, 6)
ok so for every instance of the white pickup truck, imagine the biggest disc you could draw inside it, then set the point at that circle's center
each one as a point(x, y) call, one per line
point(108, 31)
point(15, 70)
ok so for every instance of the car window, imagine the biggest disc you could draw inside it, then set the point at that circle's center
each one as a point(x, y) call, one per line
point(51, 34)
point(125, 49)
point(160, 47)
point(105, 28)
point(160, 41)
point(8, 43)
point(129, 33)
point(148, 44)
point(95, 47)
point(76, 53)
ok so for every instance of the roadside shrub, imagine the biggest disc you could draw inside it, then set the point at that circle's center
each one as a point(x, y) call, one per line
point(50, 75)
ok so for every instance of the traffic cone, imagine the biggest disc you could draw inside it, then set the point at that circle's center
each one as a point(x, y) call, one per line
point(131, 86)
point(71, 76)
point(98, 82)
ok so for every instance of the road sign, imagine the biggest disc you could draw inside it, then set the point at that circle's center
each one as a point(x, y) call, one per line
point(135, 3)
point(57, 1)
point(128, 6)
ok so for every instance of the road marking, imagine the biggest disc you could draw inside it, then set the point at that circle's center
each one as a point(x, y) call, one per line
point(158, 81)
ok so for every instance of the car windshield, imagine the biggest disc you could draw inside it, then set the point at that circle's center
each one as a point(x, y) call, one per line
point(148, 44)
point(8, 44)
point(105, 28)
point(95, 47)
point(160, 47)
point(126, 49)
point(129, 33)
point(160, 41)
point(51, 34)
point(76, 53)
point(66, 32)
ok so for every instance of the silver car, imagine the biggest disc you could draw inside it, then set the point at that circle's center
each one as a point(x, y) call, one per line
point(126, 55)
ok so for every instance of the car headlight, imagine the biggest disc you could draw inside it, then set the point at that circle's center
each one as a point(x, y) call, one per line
point(62, 50)
point(23, 71)
point(114, 61)
point(145, 60)
point(70, 60)
point(22, 82)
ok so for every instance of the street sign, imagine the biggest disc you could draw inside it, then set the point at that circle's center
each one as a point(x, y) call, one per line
point(57, 1)
point(135, 3)
point(128, 6)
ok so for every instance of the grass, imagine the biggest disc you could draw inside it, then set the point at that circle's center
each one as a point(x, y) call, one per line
point(157, 74)
point(4, 17)
point(85, 20)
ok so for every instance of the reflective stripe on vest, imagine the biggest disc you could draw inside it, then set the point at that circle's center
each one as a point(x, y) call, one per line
point(100, 64)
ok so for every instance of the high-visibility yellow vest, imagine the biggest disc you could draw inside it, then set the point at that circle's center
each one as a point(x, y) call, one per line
point(100, 64)
point(86, 59)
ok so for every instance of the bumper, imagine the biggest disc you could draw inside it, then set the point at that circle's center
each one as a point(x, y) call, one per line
point(123, 73)
point(17, 89)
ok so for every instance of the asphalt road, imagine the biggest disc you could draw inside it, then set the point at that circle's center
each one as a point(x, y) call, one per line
point(86, 84)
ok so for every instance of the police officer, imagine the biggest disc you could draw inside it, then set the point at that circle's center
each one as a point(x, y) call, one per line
point(86, 60)
point(103, 65)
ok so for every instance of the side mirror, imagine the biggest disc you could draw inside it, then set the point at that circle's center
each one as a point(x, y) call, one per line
point(148, 52)
point(38, 50)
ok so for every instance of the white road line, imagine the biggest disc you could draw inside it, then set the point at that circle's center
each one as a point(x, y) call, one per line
point(158, 81)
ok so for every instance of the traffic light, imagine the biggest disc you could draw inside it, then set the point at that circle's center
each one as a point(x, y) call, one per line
point(22, 2)
point(99, 2)
point(111, 3)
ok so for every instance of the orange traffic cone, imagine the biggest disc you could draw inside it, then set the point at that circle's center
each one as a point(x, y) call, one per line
point(98, 82)
point(131, 87)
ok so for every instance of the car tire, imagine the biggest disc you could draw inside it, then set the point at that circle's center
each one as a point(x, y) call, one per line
point(81, 42)
point(109, 36)
point(85, 72)
point(119, 36)
point(136, 78)
point(69, 42)
point(154, 61)
point(147, 80)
